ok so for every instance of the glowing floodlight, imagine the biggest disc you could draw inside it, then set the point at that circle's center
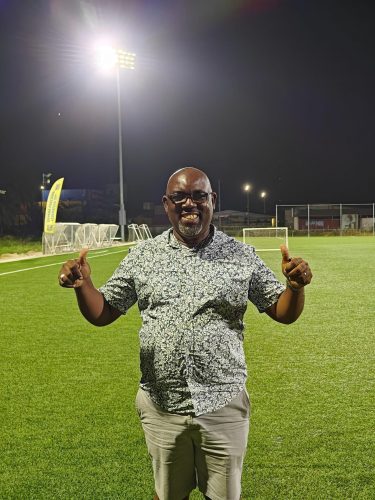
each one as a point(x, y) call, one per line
point(263, 195)
point(125, 60)
point(247, 188)
point(105, 56)
point(108, 57)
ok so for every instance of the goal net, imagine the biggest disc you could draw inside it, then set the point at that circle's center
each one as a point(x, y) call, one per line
point(72, 236)
point(265, 238)
point(145, 232)
point(139, 233)
point(62, 240)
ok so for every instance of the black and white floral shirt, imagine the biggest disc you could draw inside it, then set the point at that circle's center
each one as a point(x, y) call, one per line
point(192, 302)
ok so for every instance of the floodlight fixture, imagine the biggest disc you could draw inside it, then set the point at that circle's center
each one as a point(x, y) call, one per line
point(108, 57)
point(105, 56)
point(46, 179)
point(263, 195)
point(247, 188)
point(125, 60)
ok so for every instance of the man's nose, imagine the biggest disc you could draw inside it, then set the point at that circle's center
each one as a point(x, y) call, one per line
point(189, 201)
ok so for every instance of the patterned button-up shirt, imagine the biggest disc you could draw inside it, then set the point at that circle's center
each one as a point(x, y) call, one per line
point(192, 302)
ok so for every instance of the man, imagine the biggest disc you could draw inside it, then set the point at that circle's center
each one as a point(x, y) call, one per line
point(192, 284)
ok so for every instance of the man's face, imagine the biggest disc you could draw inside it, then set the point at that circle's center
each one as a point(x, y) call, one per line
point(190, 219)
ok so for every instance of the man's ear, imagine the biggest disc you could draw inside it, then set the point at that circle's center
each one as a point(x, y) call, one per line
point(214, 196)
point(165, 204)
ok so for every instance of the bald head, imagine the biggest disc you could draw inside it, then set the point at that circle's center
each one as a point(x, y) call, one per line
point(187, 175)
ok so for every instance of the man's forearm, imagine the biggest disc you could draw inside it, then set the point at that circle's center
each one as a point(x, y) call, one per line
point(289, 306)
point(93, 306)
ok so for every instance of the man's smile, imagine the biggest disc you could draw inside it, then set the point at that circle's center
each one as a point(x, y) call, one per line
point(190, 216)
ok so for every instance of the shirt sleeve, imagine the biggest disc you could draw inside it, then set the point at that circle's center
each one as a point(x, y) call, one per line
point(264, 287)
point(119, 291)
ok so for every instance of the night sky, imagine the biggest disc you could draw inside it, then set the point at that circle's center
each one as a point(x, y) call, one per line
point(276, 93)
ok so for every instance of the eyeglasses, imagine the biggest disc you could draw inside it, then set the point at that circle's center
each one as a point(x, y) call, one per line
point(180, 197)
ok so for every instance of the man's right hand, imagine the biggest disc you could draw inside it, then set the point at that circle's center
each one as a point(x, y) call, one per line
point(73, 272)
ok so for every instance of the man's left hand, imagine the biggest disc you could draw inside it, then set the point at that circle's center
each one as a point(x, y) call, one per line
point(296, 270)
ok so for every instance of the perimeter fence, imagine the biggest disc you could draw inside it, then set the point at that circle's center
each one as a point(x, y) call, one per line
point(320, 219)
point(336, 219)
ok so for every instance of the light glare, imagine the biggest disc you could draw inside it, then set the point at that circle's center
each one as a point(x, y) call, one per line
point(105, 56)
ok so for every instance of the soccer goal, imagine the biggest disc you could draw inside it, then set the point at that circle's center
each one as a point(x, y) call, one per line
point(70, 236)
point(139, 233)
point(265, 238)
point(145, 232)
point(61, 240)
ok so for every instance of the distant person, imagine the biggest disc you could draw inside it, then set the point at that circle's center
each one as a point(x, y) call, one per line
point(192, 284)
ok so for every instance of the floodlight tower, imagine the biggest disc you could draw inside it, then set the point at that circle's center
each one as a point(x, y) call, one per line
point(263, 195)
point(109, 57)
point(247, 188)
point(46, 180)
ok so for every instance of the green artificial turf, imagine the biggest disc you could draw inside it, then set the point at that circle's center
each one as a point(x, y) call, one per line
point(68, 425)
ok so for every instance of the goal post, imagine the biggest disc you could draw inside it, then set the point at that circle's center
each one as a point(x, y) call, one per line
point(265, 239)
point(145, 232)
point(139, 233)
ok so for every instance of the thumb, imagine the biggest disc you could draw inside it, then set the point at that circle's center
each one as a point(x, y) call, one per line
point(82, 256)
point(285, 253)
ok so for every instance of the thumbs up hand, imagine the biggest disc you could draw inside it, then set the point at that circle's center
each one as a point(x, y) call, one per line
point(296, 270)
point(73, 272)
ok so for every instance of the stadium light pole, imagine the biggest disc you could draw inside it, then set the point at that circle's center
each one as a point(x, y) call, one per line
point(247, 189)
point(109, 57)
point(263, 195)
point(46, 180)
point(3, 192)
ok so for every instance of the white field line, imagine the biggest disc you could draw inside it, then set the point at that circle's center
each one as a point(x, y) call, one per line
point(57, 263)
point(39, 255)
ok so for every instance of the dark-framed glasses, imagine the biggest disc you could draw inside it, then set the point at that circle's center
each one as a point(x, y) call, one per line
point(180, 197)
